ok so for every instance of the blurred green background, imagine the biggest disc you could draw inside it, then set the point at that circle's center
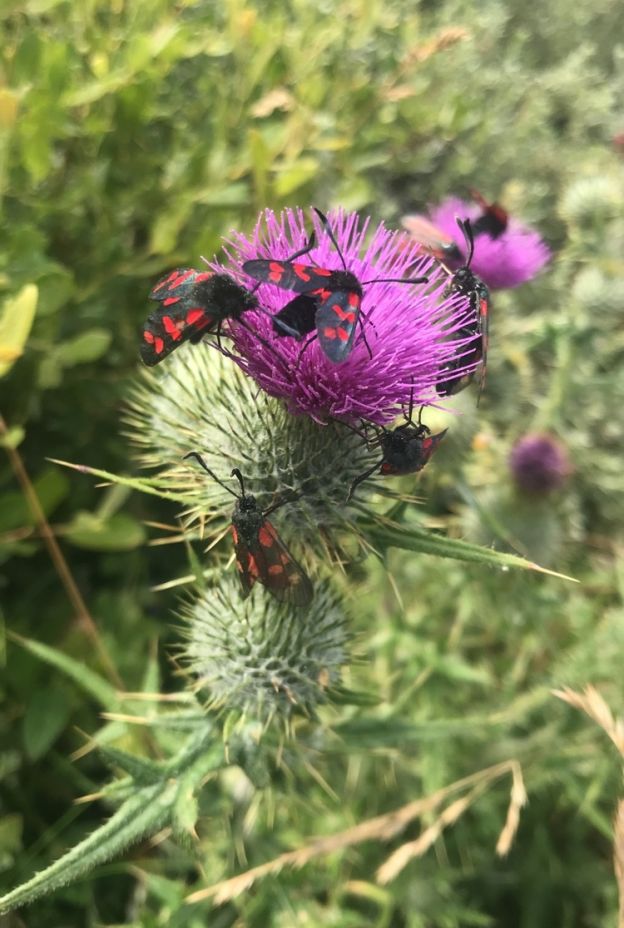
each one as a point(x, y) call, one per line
point(133, 135)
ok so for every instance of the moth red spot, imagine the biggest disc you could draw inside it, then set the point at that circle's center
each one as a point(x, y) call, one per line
point(321, 295)
point(170, 300)
point(276, 569)
point(385, 468)
point(343, 335)
point(329, 333)
point(301, 271)
point(148, 337)
point(354, 300)
point(172, 328)
point(252, 566)
point(323, 272)
point(344, 314)
point(276, 271)
point(159, 345)
point(234, 534)
point(203, 275)
point(265, 536)
point(178, 279)
point(483, 307)
point(194, 315)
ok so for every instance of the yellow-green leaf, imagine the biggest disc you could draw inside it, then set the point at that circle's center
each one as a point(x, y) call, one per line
point(16, 322)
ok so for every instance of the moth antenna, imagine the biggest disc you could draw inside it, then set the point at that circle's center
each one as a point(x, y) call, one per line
point(236, 473)
point(466, 228)
point(202, 463)
point(396, 280)
point(327, 226)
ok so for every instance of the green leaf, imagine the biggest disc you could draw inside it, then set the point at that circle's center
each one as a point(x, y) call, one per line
point(51, 488)
point(144, 814)
point(292, 178)
point(13, 437)
point(16, 319)
point(46, 716)
point(89, 681)
point(11, 827)
point(88, 346)
point(143, 772)
point(387, 535)
point(119, 533)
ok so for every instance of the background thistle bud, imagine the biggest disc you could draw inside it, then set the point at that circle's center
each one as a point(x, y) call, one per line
point(539, 464)
point(261, 657)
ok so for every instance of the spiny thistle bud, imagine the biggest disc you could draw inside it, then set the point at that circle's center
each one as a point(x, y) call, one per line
point(202, 402)
point(592, 200)
point(261, 657)
point(539, 464)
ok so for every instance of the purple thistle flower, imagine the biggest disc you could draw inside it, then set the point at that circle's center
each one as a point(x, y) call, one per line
point(539, 463)
point(504, 261)
point(413, 329)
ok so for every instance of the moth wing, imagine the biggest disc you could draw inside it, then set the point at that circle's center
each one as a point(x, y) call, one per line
point(169, 327)
point(277, 569)
point(289, 275)
point(336, 320)
point(433, 240)
point(297, 318)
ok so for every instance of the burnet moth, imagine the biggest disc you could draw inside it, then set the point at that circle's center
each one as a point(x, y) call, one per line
point(260, 553)
point(193, 303)
point(337, 294)
point(492, 222)
point(465, 282)
point(405, 449)
point(433, 241)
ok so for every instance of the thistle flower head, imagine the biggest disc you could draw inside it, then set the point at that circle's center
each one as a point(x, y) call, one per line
point(502, 261)
point(262, 658)
point(412, 330)
point(539, 464)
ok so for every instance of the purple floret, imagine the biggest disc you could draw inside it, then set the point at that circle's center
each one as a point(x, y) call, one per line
point(514, 256)
point(413, 330)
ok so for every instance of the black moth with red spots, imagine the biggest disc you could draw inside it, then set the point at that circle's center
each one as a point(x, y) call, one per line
point(337, 294)
point(493, 220)
point(467, 283)
point(405, 449)
point(260, 553)
point(193, 304)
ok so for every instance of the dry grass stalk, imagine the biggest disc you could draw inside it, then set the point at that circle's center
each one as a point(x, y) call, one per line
point(517, 800)
point(402, 856)
point(592, 703)
point(382, 827)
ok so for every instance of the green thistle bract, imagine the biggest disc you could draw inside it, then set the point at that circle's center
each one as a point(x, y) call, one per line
point(200, 401)
point(263, 658)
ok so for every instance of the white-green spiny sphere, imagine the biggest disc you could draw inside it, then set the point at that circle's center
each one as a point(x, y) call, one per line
point(201, 401)
point(594, 199)
point(261, 657)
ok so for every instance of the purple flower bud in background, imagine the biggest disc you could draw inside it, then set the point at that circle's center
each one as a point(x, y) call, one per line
point(506, 254)
point(413, 330)
point(539, 464)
